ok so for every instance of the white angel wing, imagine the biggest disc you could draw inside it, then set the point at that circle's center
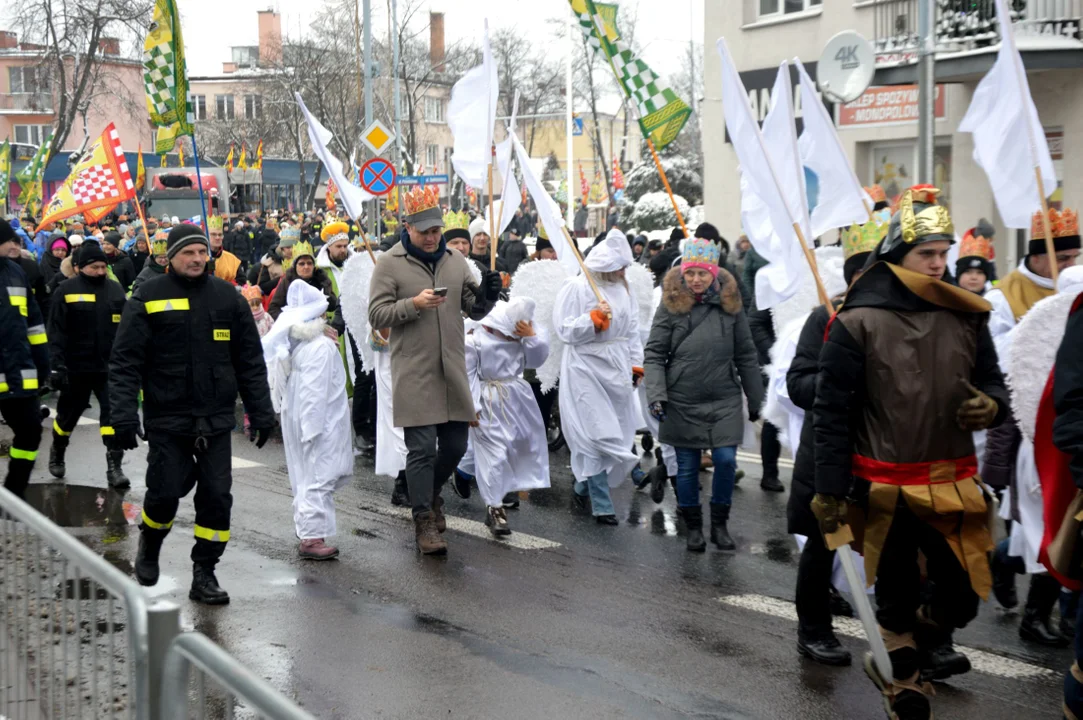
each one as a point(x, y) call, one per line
point(830, 262)
point(541, 280)
point(1034, 344)
point(354, 296)
point(641, 283)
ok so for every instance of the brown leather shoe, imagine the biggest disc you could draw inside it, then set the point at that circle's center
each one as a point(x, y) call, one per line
point(438, 513)
point(428, 539)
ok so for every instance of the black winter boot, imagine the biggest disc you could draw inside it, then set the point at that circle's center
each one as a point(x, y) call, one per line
point(56, 455)
point(1003, 578)
point(146, 560)
point(400, 496)
point(1035, 627)
point(693, 520)
point(205, 587)
point(113, 473)
point(720, 535)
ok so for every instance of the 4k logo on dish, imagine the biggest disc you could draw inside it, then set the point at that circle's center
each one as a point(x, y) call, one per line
point(847, 57)
point(221, 334)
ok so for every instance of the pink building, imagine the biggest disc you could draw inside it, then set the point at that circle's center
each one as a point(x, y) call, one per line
point(28, 102)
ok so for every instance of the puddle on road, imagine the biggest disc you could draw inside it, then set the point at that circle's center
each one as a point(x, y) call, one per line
point(80, 506)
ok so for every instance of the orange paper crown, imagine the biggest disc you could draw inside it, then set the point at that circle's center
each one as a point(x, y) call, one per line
point(1062, 223)
point(421, 199)
point(876, 193)
point(975, 246)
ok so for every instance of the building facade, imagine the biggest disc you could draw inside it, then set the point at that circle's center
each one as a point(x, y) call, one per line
point(879, 130)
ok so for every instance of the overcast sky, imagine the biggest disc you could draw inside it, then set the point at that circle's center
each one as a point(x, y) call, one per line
point(212, 26)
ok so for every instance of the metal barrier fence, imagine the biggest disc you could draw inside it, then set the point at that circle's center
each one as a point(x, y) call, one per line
point(195, 651)
point(73, 628)
point(78, 639)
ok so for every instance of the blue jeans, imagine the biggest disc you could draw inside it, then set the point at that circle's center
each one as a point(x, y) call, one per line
point(725, 468)
point(600, 502)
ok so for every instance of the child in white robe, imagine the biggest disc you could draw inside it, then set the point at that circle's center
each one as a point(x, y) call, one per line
point(511, 452)
point(308, 389)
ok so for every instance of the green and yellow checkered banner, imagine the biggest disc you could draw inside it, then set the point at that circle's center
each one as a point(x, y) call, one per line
point(661, 113)
point(165, 76)
point(32, 172)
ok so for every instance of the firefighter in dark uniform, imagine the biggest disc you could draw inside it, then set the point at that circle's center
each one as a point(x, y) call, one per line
point(24, 359)
point(188, 340)
point(83, 322)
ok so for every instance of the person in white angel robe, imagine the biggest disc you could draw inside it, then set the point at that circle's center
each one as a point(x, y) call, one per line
point(1029, 350)
point(390, 441)
point(511, 452)
point(308, 389)
point(603, 350)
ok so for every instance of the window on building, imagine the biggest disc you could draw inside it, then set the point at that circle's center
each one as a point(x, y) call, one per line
point(32, 134)
point(786, 7)
point(432, 157)
point(434, 109)
point(223, 107)
point(246, 57)
point(28, 80)
point(199, 107)
point(253, 107)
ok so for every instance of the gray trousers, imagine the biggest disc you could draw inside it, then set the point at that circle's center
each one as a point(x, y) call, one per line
point(427, 468)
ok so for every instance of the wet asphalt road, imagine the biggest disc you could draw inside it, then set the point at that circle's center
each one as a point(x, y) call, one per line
point(598, 622)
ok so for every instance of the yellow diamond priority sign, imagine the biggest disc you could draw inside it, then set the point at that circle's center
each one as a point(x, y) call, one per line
point(377, 137)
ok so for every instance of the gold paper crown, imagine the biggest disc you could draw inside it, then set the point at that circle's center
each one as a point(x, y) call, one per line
point(331, 232)
point(975, 246)
point(456, 221)
point(250, 292)
point(1062, 223)
point(865, 238)
point(214, 223)
point(876, 193)
point(301, 249)
point(932, 220)
point(421, 199)
point(159, 245)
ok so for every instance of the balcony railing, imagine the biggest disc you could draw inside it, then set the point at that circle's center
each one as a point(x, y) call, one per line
point(963, 25)
point(27, 102)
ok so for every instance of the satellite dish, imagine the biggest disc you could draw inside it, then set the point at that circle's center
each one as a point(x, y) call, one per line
point(846, 67)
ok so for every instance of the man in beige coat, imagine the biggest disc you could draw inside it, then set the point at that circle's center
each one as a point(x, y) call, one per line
point(421, 290)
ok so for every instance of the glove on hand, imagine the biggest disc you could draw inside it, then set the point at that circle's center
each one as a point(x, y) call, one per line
point(600, 320)
point(658, 411)
point(126, 438)
point(260, 436)
point(830, 511)
point(491, 284)
point(978, 412)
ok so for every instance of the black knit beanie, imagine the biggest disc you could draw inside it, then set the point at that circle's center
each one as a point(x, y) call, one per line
point(184, 235)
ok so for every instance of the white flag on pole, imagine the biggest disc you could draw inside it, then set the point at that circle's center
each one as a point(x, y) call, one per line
point(548, 210)
point(1009, 141)
point(471, 116)
point(510, 194)
point(352, 196)
point(767, 219)
point(841, 201)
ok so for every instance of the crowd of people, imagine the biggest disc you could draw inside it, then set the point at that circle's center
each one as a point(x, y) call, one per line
point(908, 397)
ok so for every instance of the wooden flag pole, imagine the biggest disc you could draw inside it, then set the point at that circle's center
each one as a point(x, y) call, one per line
point(1049, 248)
point(669, 190)
point(820, 289)
point(492, 220)
point(368, 245)
point(578, 256)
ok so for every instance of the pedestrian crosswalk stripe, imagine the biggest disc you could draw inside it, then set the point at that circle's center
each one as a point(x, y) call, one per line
point(86, 421)
point(980, 660)
point(242, 464)
point(518, 540)
point(753, 458)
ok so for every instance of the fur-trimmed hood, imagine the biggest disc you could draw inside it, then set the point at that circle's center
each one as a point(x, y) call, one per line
point(678, 299)
point(67, 269)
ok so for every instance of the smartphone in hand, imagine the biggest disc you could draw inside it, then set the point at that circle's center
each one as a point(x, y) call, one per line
point(440, 292)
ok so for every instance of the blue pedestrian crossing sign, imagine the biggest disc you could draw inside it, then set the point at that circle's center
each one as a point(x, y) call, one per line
point(378, 176)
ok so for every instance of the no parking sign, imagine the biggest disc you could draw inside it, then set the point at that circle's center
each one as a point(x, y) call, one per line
point(378, 176)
